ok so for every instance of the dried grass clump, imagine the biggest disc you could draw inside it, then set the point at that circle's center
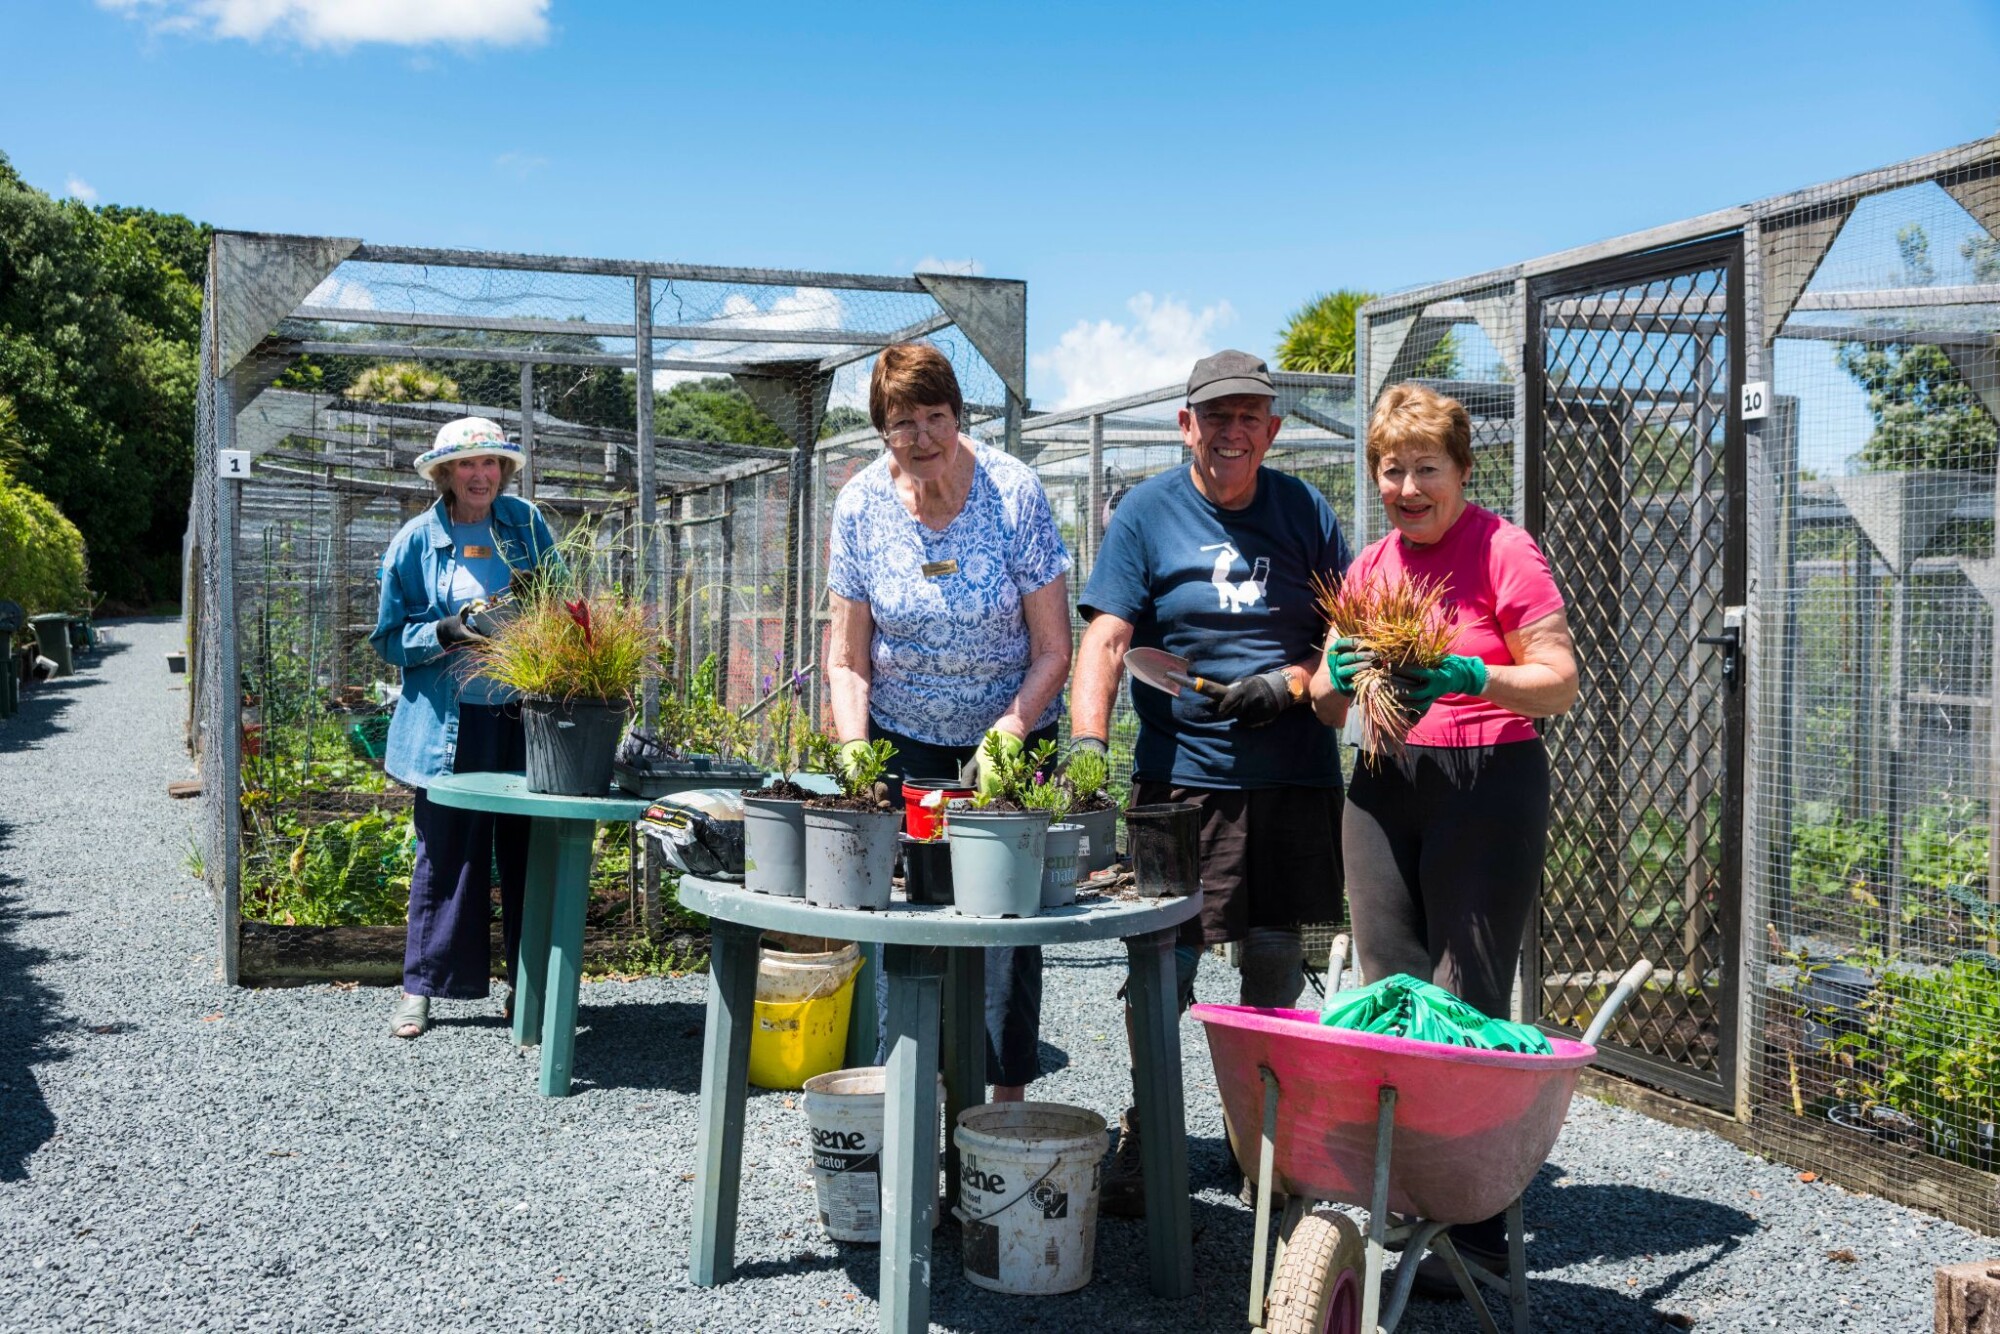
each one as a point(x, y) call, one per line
point(1405, 623)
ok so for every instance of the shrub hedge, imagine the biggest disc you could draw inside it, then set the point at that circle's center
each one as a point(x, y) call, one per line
point(41, 552)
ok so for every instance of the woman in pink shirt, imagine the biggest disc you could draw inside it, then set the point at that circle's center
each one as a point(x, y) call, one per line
point(1443, 846)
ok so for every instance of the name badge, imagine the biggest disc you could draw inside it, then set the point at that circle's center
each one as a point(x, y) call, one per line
point(472, 551)
point(938, 569)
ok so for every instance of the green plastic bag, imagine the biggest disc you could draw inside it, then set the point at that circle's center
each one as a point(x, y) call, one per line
point(1402, 1006)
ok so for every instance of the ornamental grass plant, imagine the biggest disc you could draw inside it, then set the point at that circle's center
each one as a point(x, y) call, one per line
point(1404, 623)
point(569, 636)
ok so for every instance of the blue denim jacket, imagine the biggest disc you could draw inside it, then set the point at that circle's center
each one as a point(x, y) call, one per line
point(416, 576)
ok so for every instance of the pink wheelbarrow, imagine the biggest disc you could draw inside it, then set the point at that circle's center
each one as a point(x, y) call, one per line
point(1436, 1134)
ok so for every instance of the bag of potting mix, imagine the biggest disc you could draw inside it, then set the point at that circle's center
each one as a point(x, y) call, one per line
point(699, 831)
point(1405, 1007)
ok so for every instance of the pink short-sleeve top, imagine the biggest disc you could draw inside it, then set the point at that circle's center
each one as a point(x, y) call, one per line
point(1495, 581)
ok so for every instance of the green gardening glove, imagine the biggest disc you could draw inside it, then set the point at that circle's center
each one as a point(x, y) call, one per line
point(978, 771)
point(1422, 687)
point(1344, 659)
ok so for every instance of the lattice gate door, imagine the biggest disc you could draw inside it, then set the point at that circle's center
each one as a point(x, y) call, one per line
point(1635, 491)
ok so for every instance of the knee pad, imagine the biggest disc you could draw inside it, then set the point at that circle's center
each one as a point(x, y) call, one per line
point(1272, 962)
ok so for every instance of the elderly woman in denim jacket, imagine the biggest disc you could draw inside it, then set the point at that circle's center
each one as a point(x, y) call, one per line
point(466, 546)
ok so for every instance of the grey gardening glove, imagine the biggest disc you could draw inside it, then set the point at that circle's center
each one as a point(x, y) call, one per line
point(453, 631)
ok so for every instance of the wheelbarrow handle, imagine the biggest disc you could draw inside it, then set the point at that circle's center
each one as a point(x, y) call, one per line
point(1634, 978)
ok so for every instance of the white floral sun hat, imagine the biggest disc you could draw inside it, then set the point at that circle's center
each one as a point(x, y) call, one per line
point(468, 438)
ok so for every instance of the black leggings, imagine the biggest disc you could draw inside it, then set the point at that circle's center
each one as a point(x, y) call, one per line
point(1444, 852)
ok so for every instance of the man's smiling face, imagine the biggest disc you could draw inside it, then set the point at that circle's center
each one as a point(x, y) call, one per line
point(1229, 437)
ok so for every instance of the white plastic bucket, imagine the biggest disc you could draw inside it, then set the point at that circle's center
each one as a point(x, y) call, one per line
point(1028, 1195)
point(844, 1114)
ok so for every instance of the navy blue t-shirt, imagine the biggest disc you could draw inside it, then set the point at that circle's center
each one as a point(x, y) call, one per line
point(1232, 592)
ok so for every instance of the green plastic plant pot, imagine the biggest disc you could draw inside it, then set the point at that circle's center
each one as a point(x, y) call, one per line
point(851, 857)
point(1100, 832)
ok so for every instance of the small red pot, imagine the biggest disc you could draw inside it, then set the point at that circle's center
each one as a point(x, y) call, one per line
point(920, 821)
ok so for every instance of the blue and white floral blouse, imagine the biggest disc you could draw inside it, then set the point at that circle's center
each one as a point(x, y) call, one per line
point(951, 643)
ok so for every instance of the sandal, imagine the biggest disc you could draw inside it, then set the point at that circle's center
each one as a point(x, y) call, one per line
point(411, 1017)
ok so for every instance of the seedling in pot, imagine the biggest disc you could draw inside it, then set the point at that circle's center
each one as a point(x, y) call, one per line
point(860, 775)
point(1086, 773)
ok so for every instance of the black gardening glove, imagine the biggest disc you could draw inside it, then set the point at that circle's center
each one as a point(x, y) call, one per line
point(453, 631)
point(1256, 700)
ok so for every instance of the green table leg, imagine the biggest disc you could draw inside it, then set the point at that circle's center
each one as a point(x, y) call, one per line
point(1156, 1079)
point(531, 967)
point(725, 1074)
point(565, 975)
point(909, 1135)
point(861, 1030)
point(964, 1050)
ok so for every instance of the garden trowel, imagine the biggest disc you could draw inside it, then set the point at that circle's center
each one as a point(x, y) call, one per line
point(1170, 672)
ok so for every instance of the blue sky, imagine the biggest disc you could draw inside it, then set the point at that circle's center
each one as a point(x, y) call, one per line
point(1168, 178)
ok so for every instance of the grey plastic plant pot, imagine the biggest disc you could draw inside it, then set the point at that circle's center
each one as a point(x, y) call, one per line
point(774, 846)
point(1164, 842)
point(1061, 865)
point(1100, 829)
point(996, 862)
point(850, 857)
point(571, 744)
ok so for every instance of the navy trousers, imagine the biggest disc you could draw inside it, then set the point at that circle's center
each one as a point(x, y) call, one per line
point(448, 951)
point(1013, 973)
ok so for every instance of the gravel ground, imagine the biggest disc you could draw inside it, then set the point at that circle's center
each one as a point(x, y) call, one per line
point(176, 1154)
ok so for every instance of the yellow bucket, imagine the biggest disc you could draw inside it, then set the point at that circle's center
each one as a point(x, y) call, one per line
point(800, 1024)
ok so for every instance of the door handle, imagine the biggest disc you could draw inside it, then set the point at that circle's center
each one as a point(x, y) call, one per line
point(1730, 641)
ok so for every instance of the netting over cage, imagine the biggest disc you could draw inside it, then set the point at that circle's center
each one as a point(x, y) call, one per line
point(1759, 450)
point(671, 412)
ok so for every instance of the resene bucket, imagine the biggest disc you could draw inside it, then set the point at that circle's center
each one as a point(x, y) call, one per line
point(1028, 1195)
point(844, 1114)
point(799, 1026)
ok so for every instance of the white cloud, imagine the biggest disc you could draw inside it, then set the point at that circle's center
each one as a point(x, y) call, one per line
point(78, 188)
point(971, 268)
point(342, 293)
point(520, 165)
point(1101, 359)
point(345, 23)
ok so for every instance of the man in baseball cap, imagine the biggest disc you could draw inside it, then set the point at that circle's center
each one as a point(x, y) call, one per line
point(1216, 562)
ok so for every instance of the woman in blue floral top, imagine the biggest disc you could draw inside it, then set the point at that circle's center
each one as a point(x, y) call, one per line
point(950, 624)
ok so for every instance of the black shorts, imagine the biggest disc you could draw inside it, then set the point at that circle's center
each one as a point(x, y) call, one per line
point(1270, 857)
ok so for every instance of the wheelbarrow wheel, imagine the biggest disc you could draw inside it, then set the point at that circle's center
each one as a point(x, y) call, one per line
point(1317, 1286)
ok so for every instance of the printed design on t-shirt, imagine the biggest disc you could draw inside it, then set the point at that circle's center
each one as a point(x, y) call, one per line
point(1234, 596)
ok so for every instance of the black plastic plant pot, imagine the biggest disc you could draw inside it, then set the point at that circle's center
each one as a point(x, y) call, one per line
point(926, 869)
point(1163, 840)
point(571, 743)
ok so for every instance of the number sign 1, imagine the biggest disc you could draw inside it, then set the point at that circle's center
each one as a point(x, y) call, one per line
point(233, 464)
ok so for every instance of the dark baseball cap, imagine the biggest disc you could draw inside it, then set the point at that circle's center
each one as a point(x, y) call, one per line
point(1229, 372)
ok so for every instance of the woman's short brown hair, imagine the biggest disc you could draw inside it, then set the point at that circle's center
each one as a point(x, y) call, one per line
point(1409, 415)
point(911, 375)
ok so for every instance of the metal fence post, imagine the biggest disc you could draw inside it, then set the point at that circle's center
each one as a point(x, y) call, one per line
point(226, 739)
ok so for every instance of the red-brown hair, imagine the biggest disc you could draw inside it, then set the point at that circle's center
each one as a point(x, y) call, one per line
point(911, 375)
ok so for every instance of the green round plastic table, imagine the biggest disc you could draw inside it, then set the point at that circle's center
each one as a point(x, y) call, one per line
point(550, 966)
point(935, 964)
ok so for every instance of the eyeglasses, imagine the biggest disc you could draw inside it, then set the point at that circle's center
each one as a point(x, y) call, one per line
point(938, 426)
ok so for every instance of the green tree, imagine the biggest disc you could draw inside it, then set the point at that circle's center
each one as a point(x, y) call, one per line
point(98, 329)
point(1926, 416)
point(1318, 338)
point(403, 382)
point(715, 408)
